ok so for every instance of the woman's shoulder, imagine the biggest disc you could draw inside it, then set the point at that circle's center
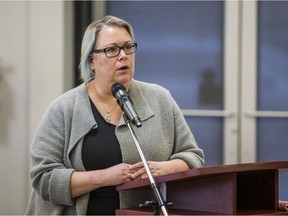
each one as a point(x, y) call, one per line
point(69, 97)
point(154, 94)
point(78, 91)
point(150, 88)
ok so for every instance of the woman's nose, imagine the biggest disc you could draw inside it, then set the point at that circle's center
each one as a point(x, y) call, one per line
point(122, 54)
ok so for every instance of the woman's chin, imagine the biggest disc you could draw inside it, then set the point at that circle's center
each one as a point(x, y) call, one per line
point(123, 79)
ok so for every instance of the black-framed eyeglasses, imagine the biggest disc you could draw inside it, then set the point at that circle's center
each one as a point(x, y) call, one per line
point(114, 51)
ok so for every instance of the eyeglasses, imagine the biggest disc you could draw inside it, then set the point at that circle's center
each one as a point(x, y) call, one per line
point(114, 51)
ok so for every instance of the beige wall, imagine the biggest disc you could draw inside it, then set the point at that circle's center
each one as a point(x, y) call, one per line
point(35, 67)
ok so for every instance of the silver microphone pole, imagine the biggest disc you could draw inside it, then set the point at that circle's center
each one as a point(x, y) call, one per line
point(147, 168)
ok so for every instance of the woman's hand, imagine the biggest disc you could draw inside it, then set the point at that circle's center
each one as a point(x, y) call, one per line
point(117, 174)
point(84, 182)
point(157, 168)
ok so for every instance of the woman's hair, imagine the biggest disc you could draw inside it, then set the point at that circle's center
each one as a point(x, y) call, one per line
point(90, 39)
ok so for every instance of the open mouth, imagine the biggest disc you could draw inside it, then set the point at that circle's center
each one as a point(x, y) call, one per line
point(123, 68)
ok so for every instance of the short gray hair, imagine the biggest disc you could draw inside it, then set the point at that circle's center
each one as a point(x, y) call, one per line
point(90, 39)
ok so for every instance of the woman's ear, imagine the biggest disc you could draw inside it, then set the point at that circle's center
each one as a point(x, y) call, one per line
point(91, 63)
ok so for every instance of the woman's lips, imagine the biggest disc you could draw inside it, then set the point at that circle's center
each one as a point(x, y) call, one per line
point(123, 68)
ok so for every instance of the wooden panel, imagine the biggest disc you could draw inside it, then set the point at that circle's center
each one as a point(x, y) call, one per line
point(257, 190)
point(217, 194)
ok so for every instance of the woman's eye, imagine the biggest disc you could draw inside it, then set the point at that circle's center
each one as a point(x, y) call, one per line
point(111, 49)
point(128, 47)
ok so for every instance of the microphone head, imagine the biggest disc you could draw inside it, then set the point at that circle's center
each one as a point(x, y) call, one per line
point(116, 87)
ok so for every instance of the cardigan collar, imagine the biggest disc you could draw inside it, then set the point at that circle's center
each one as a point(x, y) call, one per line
point(82, 117)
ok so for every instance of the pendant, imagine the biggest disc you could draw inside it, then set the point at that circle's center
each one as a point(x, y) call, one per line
point(107, 117)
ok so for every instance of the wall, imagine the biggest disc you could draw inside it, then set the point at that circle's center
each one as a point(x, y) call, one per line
point(35, 67)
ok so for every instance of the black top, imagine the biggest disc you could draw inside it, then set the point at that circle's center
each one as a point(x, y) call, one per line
point(101, 150)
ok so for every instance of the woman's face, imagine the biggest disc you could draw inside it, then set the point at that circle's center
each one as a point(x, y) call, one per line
point(115, 69)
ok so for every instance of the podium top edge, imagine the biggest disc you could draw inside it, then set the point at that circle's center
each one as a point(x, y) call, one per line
point(207, 171)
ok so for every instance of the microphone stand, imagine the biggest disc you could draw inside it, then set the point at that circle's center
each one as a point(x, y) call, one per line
point(147, 168)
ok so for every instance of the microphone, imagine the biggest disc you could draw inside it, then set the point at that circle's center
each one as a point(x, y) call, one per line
point(126, 104)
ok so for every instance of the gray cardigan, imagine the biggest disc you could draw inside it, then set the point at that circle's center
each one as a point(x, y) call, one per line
point(56, 146)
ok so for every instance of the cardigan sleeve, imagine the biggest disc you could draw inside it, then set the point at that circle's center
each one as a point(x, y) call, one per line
point(50, 177)
point(185, 145)
point(169, 134)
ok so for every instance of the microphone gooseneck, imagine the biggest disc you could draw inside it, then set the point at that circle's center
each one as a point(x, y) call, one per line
point(126, 104)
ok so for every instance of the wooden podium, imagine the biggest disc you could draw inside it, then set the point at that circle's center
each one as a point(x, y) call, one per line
point(250, 188)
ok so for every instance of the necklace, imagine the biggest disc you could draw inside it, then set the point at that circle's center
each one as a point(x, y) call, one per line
point(107, 116)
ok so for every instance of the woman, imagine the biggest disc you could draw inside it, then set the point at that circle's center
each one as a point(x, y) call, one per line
point(82, 148)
